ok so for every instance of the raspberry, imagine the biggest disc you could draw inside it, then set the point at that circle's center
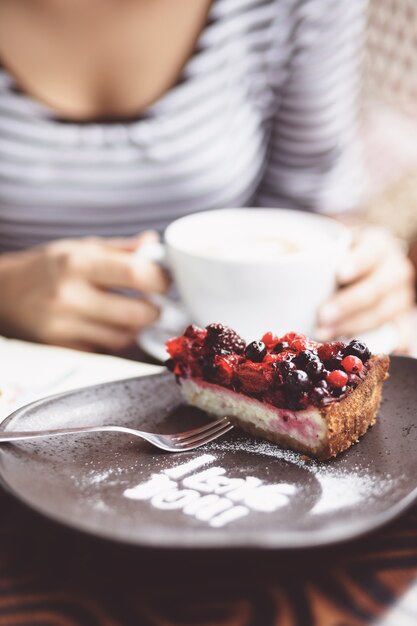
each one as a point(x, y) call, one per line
point(299, 343)
point(288, 337)
point(175, 346)
point(221, 339)
point(251, 378)
point(269, 339)
point(329, 350)
point(352, 364)
point(192, 331)
point(224, 367)
point(337, 378)
point(272, 358)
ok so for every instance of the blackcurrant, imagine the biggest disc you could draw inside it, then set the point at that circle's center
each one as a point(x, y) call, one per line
point(256, 351)
point(297, 380)
point(357, 348)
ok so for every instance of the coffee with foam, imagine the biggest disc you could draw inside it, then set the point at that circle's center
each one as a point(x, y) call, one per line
point(255, 248)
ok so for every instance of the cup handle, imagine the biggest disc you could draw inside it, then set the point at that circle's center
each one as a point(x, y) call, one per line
point(156, 252)
point(153, 251)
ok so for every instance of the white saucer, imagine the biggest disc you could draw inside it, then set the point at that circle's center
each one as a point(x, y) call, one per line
point(172, 322)
point(174, 319)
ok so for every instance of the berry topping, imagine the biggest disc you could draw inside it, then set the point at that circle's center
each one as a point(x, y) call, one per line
point(224, 368)
point(337, 392)
point(285, 367)
point(298, 400)
point(192, 331)
point(354, 380)
point(337, 379)
point(329, 350)
point(297, 379)
point(269, 339)
point(299, 343)
point(256, 351)
point(352, 364)
point(281, 346)
point(288, 371)
point(221, 339)
point(304, 357)
point(319, 394)
point(251, 378)
point(315, 369)
point(335, 363)
point(357, 348)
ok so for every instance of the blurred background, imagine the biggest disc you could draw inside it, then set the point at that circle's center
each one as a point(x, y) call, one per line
point(389, 116)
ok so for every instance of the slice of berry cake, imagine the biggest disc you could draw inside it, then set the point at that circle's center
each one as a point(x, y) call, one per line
point(316, 398)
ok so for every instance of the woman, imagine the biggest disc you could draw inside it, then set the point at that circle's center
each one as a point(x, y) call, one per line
point(117, 117)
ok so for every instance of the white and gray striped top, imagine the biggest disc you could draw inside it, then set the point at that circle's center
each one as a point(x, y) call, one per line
point(264, 114)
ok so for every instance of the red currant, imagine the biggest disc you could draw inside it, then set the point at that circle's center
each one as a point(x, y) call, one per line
point(337, 378)
point(352, 364)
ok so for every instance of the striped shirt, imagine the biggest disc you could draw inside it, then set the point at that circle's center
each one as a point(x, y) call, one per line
point(265, 114)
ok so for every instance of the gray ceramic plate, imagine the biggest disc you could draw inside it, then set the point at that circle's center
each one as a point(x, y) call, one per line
point(235, 492)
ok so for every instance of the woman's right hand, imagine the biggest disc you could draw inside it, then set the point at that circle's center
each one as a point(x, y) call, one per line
point(63, 293)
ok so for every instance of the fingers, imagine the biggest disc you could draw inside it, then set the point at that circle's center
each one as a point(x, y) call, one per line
point(365, 293)
point(376, 286)
point(87, 335)
point(131, 244)
point(369, 246)
point(386, 310)
point(101, 336)
point(369, 302)
point(114, 268)
point(118, 311)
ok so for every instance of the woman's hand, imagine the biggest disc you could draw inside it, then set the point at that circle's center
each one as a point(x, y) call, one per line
point(64, 292)
point(376, 286)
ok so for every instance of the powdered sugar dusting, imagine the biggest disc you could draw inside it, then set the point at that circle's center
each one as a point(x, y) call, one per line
point(341, 488)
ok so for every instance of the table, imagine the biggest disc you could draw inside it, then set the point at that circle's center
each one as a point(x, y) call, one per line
point(50, 575)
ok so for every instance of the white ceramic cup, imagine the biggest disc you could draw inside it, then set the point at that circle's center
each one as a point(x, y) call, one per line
point(255, 269)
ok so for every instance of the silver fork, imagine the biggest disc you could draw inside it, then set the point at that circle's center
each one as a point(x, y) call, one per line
point(180, 442)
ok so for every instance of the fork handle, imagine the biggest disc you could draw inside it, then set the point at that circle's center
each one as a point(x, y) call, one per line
point(37, 434)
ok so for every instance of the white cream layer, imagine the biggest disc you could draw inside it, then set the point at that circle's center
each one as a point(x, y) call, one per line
point(307, 426)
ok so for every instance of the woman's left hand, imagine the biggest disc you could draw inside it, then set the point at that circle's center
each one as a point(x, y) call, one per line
point(376, 286)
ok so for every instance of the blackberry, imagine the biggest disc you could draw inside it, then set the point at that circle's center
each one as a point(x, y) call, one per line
point(323, 384)
point(255, 351)
point(221, 339)
point(357, 348)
